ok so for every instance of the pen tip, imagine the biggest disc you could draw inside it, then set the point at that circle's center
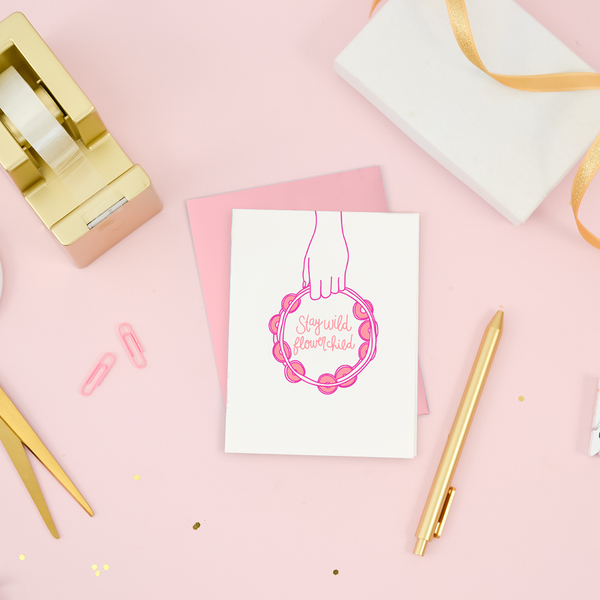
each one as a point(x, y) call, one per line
point(497, 321)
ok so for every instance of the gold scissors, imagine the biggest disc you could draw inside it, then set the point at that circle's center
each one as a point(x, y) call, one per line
point(15, 434)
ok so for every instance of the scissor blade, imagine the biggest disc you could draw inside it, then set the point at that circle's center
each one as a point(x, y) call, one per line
point(14, 419)
point(17, 454)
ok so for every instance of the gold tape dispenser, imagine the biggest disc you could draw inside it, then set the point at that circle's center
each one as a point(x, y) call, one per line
point(58, 152)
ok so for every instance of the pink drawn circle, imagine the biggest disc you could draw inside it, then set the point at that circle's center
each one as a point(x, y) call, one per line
point(296, 368)
point(362, 351)
point(279, 356)
point(364, 331)
point(287, 301)
point(325, 379)
point(359, 312)
point(343, 377)
point(274, 323)
point(341, 373)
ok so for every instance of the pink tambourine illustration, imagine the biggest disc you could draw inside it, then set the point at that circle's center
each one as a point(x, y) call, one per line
point(324, 274)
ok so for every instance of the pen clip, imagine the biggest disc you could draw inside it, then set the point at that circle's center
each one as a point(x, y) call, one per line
point(439, 526)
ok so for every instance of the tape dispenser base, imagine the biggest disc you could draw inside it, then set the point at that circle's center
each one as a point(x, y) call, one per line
point(57, 151)
point(85, 239)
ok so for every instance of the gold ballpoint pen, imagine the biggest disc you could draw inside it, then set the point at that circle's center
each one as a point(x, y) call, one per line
point(441, 493)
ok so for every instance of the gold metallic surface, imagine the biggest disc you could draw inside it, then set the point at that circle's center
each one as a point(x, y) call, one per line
point(16, 452)
point(420, 547)
point(61, 209)
point(15, 433)
point(550, 82)
point(86, 248)
point(440, 495)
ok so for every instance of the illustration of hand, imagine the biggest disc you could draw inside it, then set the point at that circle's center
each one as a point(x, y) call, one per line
point(326, 258)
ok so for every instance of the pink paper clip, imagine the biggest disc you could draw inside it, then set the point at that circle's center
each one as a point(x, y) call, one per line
point(132, 345)
point(98, 374)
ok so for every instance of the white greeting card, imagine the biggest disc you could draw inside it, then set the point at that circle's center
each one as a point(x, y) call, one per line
point(323, 333)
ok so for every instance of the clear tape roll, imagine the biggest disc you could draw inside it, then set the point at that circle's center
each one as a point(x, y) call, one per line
point(47, 137)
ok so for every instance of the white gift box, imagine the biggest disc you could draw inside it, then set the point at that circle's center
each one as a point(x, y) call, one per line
point(511, 147)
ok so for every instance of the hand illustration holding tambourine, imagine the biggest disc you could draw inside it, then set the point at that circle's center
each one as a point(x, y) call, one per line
point(326, 259)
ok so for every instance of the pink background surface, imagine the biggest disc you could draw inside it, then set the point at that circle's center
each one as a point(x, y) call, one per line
point(211, 97)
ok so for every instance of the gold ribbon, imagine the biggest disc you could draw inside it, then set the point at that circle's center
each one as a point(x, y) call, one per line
point(552, 82)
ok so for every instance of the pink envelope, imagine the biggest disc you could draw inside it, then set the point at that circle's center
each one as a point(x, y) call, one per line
point(210, 219)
